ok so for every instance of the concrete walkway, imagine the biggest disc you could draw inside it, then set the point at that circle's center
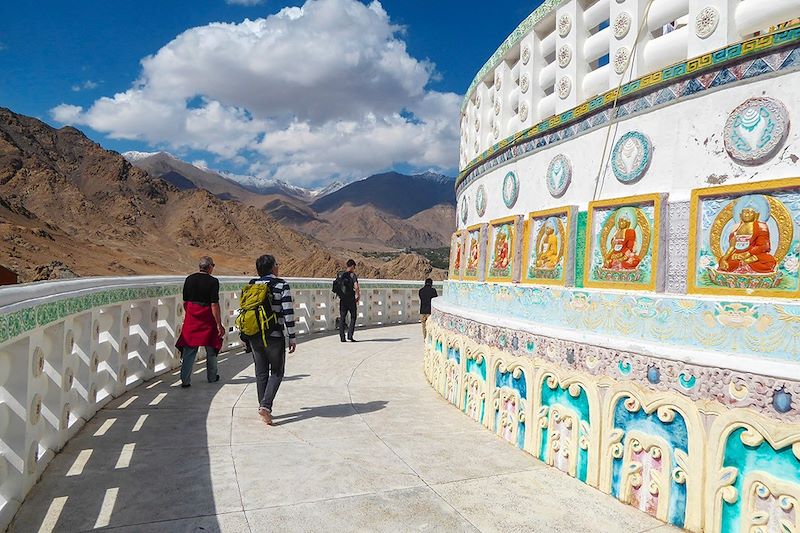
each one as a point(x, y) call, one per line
point(362, 444)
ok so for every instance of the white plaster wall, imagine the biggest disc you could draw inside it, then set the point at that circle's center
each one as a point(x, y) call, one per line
point(689, 153)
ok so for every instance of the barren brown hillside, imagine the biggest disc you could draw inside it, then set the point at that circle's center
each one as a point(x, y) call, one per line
point(69, 206)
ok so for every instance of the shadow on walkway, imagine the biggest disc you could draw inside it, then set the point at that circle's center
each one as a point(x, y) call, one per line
point(341, 410)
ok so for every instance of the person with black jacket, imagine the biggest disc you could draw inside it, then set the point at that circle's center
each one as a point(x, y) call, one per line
point(346, 287)
point(426, 294)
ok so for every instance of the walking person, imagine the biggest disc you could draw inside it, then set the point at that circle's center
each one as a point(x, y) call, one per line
point(268, 345)
point(347, 289)
point(202, 324)
point(426, 294)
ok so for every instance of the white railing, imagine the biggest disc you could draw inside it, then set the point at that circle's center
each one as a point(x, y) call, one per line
point(576, 49)
point(68, 347)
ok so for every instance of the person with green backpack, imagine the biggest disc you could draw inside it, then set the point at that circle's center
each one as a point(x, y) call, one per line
point(265, 321)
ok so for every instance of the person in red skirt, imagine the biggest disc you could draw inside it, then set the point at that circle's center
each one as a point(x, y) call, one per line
point(202, 324)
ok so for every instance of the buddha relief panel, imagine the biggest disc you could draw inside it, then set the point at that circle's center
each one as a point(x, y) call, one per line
point(549, 255)
point(623, 243)
point(746, 239)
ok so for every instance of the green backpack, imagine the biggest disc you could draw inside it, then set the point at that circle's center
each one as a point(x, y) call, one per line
point(255, 311)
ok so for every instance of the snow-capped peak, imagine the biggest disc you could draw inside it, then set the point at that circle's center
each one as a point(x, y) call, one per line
point(138, 156)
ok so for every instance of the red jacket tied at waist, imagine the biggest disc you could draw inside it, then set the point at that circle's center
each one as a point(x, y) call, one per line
point(199, 327)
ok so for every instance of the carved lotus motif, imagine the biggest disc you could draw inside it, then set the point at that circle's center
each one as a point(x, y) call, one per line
point(621, 60)
point(564, 87)
point(706, 22)
point(524, 83)
point(622, 25)
point(526, 54)
point(564, 56)
point(564, 25)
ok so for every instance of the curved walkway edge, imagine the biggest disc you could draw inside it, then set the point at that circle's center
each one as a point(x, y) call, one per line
point(361, 443)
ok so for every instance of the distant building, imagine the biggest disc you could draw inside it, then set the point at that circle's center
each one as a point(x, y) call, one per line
point(8, 277)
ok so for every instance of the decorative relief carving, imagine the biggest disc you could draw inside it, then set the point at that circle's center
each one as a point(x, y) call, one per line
point(523, 111)
point(524, 83)
point(706, 22)
point(526, 54)
point(510, 189)
point(622, 25)
point(564, 25)
point(559, 176)
point(564, 87)
point(678, 242)
point(621, 57)
point(756, 130)
point(498, 81)
point(480, 201)
point(564, 55)
point(631, 157)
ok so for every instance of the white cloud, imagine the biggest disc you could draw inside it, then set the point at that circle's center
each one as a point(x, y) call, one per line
point(244, 2)
point(87, 85)
point(324, 90)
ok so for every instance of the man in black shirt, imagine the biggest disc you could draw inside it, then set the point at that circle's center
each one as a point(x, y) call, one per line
point(426, 294)
point(347, 289)
point(202, 323)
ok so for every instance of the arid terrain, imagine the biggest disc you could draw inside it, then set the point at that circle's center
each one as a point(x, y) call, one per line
point(68, 207)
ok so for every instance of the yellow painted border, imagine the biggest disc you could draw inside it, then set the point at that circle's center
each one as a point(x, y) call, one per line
point(489, 242)
point(462, 236)
point(655, 240)
point(568, 245)
point(476, 227)
point(763, 187)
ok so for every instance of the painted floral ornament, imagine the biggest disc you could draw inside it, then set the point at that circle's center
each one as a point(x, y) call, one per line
point(631, 157)
point(481, 201)
point(621, 60)
point(559, 176)
point(756, 130)
point(510, 189)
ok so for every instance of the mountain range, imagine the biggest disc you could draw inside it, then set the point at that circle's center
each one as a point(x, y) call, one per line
point(69, 207)
point(364, 215)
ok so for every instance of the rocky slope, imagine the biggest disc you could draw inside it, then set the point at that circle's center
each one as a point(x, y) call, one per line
point(67, 206)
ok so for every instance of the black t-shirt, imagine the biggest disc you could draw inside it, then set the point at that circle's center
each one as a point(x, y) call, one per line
point(426, 294)
point(349, 279)
point(201, 288)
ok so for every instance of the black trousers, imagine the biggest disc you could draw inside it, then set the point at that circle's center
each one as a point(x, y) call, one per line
point(347, 307)
point(270, 363)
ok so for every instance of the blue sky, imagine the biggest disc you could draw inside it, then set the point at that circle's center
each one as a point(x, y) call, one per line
point(332, 91)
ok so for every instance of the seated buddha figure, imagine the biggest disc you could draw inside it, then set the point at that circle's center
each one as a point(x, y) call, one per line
point(547, 255)
point(622, 253)
point(501, 256)
point(749, 242)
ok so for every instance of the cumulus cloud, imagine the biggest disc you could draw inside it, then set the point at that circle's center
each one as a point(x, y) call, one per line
point(313, 92)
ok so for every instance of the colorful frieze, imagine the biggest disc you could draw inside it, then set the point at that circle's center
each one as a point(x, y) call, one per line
point(696, 463)
point(452, 381)
point(745, 239)
point(502, 248)
point(773, 397)
point(652, 454)
point(548, 252)
point(566, 436)
point(624, 243)
point(475, 249)
point(458, 246)
point(753, 483)
point(509, 402)
point(474, 386)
